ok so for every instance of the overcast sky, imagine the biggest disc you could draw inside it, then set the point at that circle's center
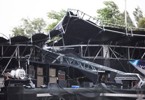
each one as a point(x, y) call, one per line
point(12, 11)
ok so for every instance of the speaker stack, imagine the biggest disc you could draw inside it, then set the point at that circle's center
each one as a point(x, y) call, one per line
point(52, 75)
point(61, 79)
point(40, 77)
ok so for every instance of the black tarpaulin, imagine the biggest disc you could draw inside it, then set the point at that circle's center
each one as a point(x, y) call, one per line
point(3, 40)
point(39, 37)
point(36, 38)
point(19, 39)
point(81, 31)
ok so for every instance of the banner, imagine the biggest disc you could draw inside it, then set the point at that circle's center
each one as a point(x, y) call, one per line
point(139, 65)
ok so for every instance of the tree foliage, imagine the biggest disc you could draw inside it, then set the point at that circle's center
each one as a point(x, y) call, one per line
point(129, 20)
point(56, 17)
point(141, 23)
point(18, 31)
point(138, 14)
point(29, 27)
point(111, 14)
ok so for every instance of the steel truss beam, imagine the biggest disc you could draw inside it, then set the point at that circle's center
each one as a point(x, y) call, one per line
point(115, 51)
point(84, 64)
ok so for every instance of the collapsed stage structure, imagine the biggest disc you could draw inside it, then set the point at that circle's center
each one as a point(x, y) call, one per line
point(97, 40)
point(78, 53)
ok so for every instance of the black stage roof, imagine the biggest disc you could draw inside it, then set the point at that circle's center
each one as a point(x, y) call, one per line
point(77, 30)
point(36, 38)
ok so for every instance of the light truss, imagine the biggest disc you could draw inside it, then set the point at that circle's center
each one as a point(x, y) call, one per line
point(83, 64)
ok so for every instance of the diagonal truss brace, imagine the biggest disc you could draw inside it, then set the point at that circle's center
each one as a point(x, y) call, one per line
point(84, 64)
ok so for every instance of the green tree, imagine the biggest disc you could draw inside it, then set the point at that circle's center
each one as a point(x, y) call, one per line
point(141, 23)
point(38, 25)
point(55, 17)
point(29, 27)
point(129, 20)
point(138, 14)
point(111, 14)
point(18, 31)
